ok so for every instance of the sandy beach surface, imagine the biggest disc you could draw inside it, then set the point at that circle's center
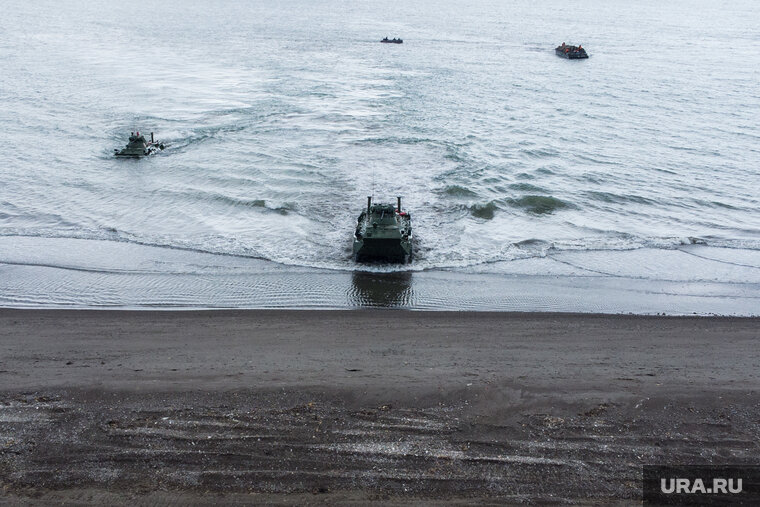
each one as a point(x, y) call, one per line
point(359, 406)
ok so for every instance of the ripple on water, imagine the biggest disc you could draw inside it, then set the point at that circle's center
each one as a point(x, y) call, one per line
point(458, 191)
point(526, 187)
point(610, 197)
point(539, 204)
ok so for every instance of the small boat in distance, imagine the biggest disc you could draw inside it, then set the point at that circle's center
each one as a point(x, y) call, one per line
point(138, 146)
point(571, 52)
point(383, 233)
point(386, 40)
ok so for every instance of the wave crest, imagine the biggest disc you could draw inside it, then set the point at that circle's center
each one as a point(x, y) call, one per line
point(483, 210)
point(539, 204)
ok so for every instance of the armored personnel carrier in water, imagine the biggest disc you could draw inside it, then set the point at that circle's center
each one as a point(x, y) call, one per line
point(571, 52)
point(138, 146)
point(383, 233)
point(386, 40)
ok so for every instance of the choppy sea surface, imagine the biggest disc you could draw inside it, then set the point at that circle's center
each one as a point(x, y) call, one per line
point(637, 167)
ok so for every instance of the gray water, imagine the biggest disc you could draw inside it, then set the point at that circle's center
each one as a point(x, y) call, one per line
point(281, 117)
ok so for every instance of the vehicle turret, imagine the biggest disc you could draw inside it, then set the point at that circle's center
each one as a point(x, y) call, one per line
point(138, 146)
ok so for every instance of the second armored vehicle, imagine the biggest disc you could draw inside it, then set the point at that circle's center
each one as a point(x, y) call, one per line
point(138, 146)
point(383, 233)
point(571, 52)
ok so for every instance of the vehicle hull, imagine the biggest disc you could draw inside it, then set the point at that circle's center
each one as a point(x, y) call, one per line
point(382, 250)
point(383, 234)
point(139, 147)
point(571, 55)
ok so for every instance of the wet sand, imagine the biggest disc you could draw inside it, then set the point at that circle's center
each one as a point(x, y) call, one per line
point(89, 274)
point(356, 406)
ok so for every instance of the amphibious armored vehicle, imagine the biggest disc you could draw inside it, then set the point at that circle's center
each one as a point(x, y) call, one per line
point(138, 146)
point(571, 52)
point(383, 234)
point(386, 40)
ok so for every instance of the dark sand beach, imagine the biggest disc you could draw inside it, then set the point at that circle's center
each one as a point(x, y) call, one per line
point(354, 406)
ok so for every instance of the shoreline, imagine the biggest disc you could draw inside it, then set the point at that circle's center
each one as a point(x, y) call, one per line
point(77, 273)
point(360, 405)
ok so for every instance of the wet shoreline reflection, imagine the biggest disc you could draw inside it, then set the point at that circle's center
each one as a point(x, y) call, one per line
point(380, 289)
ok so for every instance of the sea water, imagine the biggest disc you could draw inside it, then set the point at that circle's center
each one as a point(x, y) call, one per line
point(639, 165)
